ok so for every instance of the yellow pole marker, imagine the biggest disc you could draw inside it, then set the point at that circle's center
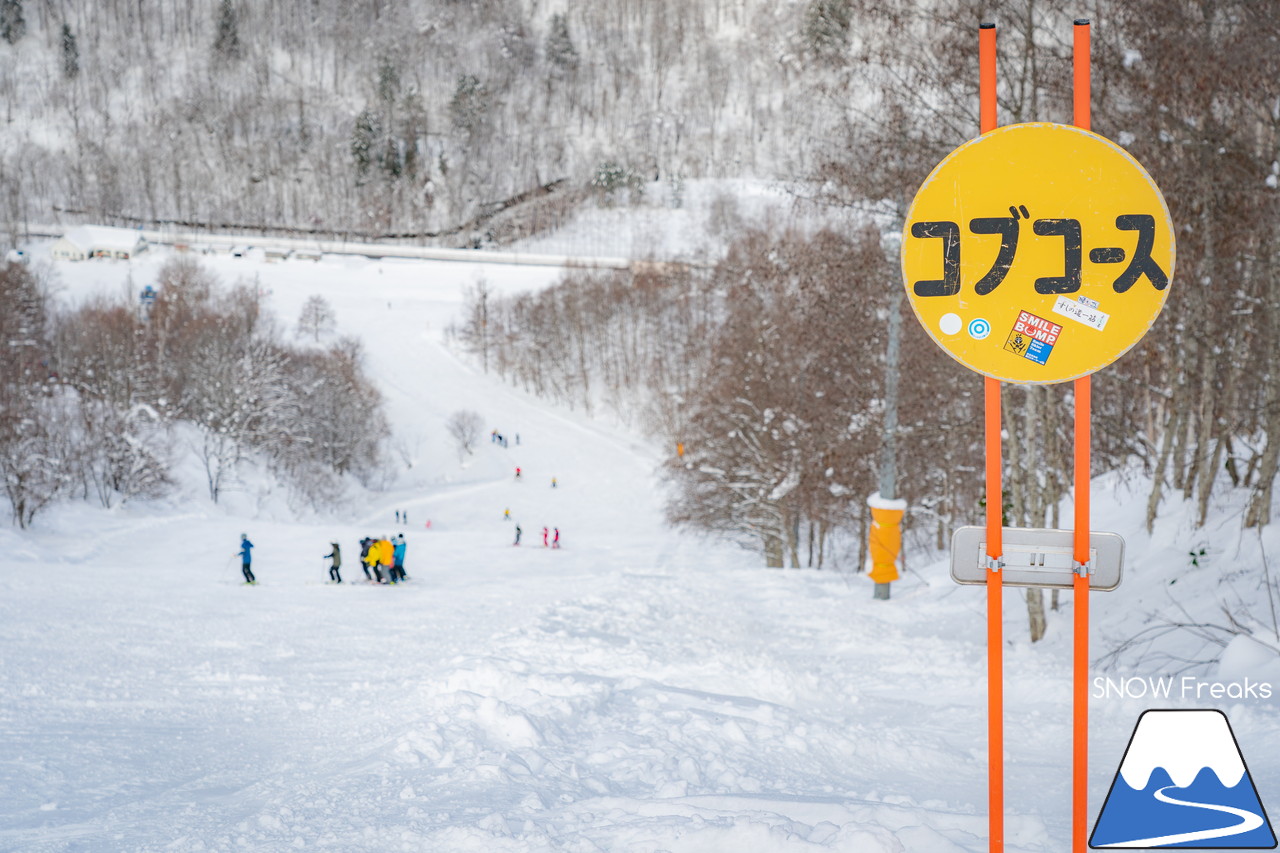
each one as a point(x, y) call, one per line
point(1037, 253)
point(886, 537)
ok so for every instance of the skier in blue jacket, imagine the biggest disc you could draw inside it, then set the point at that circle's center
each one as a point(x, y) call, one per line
point(246, 558)
point(397, 570)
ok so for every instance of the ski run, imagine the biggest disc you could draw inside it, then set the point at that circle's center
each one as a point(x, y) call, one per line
point(636, 689)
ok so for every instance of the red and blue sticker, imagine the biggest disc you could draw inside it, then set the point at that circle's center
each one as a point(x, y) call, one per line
point(1033, 337)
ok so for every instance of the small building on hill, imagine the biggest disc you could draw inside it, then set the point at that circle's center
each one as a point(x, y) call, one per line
point(97, 241)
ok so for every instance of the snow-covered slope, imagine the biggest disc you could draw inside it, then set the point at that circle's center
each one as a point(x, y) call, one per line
point(634, 690)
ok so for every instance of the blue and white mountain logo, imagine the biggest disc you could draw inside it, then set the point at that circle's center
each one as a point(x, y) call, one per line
point(1183, 783)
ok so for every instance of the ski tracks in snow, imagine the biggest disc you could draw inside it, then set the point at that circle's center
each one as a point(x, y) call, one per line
point(636, 715)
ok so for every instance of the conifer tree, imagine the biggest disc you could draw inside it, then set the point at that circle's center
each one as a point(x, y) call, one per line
point(364, 139)
point(13, 25)
point(227, 43)
point(469, 103)
point(390, 157)
point(559, 46)
point(70, 54)
point(827, 26)
point(388, 80)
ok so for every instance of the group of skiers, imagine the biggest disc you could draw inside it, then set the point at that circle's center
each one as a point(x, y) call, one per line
point(499, 439)
point(382, 559)
point(378, 556)
point(547, 540)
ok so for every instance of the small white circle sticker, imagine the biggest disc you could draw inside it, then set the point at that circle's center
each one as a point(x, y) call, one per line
point(979, 329)
point(949, 324)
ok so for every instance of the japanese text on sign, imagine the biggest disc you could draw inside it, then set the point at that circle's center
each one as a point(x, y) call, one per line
point(1031, 222)
point(1140, 263)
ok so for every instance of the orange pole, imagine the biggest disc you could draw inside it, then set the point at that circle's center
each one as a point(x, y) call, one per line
point(1080, 67)
point(995, 621)
point(995, 509)
point(1080, 583)
point(987, 78)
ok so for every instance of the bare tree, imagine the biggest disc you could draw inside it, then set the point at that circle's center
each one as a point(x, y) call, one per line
point(316, 316)
point(464, 426)
point(475, 333)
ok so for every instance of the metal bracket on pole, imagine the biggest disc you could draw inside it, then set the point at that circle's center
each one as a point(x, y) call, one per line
point(1082, 569)
point(994, 564)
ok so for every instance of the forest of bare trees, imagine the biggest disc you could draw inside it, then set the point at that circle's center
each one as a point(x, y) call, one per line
point(784, 340)
point(768, 372)
point(95, 400)
point(1191, 89)
point(373, 118)
point(476, 121)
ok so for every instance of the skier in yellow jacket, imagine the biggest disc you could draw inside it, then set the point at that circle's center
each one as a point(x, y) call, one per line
point(386, 557)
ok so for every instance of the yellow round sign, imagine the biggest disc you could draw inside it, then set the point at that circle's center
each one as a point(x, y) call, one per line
point(1037, 253)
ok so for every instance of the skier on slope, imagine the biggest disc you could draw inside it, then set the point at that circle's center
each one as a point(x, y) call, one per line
point(365, 545)
point(246, 557)
point(518, 531)
point(386, 556)
point(336, 556)
point(544, 537)
point(397, 567)
point(375, 552)
point(555, 543)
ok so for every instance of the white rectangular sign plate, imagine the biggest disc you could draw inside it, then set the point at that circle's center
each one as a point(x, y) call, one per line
point(1037, 557)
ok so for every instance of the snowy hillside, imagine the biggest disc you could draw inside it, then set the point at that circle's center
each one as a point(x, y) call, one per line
point(635, 690)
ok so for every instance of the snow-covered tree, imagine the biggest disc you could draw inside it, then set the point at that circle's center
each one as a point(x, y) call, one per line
point(316, 317)
point(227, 42)
point(70, 54)
point(340, 422)
point(122, 454)
point(365, 138)
point(13, 23)
point(464, 427)
point(33, 464)
point(614, 182)
point(36, 459)
point(469, 105)
point(827, 24)
point(559, 48)
point(779, 432)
